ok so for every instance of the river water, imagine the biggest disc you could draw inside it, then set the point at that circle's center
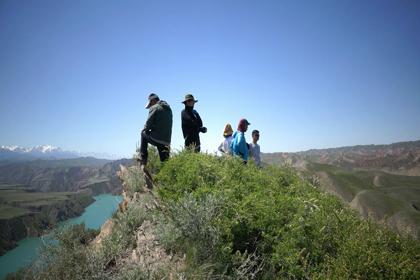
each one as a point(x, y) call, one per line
point(94, 217)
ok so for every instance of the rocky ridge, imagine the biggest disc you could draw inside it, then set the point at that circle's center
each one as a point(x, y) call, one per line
point(72, 175)
point(148, 255)
point(399, 158)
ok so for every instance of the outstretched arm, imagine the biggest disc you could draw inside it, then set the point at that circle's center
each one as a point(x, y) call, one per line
point(221, 148)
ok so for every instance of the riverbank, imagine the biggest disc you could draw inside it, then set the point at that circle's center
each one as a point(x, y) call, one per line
point(29, 214)
point(93, 217)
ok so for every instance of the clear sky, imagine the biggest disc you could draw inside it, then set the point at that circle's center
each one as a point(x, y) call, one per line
point(307, 74)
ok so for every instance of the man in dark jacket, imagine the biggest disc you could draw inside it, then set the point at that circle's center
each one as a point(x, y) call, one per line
point(157, 130)
point(192, 124)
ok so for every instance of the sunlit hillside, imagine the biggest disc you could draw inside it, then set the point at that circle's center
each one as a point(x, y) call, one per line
point(211, 217)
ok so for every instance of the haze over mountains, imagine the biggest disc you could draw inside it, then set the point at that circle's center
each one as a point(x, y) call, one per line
point(399, 158)
point(48, 168)
point(43, 185)
point(12, 153)
point(64, 175)
point(380, 181)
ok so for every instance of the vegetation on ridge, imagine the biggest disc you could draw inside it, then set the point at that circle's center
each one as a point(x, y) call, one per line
point(293, 229)
point(235, 221)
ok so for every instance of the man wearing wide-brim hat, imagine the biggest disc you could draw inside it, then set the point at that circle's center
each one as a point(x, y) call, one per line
point(157, 130)
point(192, 124)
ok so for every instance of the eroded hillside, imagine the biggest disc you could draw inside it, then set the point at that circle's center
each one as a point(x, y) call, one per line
point(380, 181)
point(210, 217)
point(69, 175)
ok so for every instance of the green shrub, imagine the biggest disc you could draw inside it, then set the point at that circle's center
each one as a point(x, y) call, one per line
point(122, 237)
point(236, 221)
point(70, 257)
point(66, 258)
point(135, 273)
point(190, 226)
point(134, 180)
point(289, 227)
point(153, 161)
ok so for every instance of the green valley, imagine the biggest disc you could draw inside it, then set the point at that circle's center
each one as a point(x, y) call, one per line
point(392, 199)
point(380, 181)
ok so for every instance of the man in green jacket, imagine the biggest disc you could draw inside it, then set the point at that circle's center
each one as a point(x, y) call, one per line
point(157, 130)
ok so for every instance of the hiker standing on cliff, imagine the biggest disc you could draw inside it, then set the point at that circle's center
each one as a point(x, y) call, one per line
point(255, 148)
point(157, 130)
point(239, 146)
point(192, 124)
point(225, 145)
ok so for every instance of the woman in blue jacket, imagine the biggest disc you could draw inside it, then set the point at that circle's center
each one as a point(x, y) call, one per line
point(239, 146)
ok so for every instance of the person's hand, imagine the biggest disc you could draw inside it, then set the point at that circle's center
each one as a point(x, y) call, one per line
point(203, 129)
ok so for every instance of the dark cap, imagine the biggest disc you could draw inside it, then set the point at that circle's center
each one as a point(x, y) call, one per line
point(242, 124)
point(189, 97)
point(152, 96)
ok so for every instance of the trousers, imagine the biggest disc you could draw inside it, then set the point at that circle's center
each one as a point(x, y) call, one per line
point(163, 150)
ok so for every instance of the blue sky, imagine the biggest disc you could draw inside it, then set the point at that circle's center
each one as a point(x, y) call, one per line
point(307, 74)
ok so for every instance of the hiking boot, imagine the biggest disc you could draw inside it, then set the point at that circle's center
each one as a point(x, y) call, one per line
point(141, 161)
point(142, 166)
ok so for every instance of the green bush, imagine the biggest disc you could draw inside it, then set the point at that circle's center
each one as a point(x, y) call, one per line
point(122, 237)
point(236, 221)
point(153, 161)
point(135, 273)
point(71, 257)
point(289, 227)
point(189, 225)
point(134, 180)
point(67, 257)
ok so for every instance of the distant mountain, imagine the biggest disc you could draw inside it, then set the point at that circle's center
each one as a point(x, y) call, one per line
point(400, 158)
point(38, 152)
point(47, 168)
point(379, 181)
point(16, 153)
point(97, 175)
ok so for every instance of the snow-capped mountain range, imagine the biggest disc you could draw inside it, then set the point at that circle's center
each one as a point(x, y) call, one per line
point(37, 149)
point(41, 152)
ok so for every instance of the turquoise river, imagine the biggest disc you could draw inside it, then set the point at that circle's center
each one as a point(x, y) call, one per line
point(94, 217)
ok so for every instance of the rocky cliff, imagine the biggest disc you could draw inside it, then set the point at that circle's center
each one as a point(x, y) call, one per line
point(40, 219)
point(43, 192)
point(64, 175)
